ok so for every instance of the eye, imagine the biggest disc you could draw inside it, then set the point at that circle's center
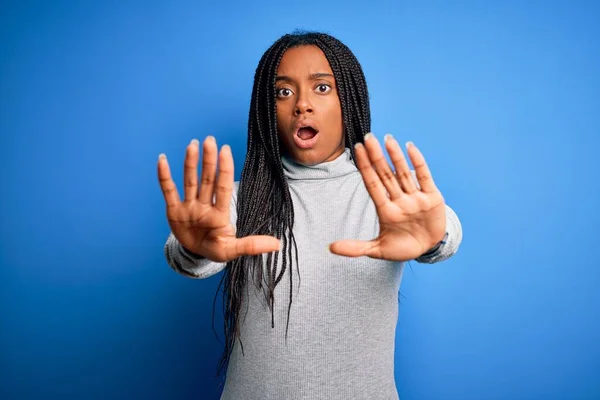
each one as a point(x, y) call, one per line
point(284, 92)
point(323, 88)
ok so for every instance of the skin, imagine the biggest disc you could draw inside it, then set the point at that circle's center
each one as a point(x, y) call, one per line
point(306, 89)
point(199, 224)
point(412, 217)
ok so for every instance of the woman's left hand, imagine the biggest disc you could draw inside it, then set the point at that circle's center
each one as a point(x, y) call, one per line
point(412, 220)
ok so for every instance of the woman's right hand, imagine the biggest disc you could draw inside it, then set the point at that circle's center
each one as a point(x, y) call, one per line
point(201, 222)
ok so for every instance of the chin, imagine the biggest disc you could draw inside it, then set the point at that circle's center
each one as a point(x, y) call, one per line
point(308, 158)
point(312, 157)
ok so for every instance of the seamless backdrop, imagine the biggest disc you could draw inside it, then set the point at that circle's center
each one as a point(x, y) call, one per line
point(502, 97)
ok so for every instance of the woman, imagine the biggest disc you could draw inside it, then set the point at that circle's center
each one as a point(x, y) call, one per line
point(314, 237)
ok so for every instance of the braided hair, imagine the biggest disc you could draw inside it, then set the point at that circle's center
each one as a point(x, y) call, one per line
point(264, 205)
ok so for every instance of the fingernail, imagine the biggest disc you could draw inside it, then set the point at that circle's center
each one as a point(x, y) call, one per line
point(195, 142)
point(358, 145)
point(408, 144)
point(162, 156)
point(387, 137)
point(368, 136)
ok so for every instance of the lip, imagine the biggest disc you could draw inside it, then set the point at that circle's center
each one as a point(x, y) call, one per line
point(305, 144)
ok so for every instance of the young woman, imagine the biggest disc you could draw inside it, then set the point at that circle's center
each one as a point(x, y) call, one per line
point(314, 237)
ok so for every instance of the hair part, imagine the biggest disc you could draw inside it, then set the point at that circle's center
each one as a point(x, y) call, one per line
point(264, 205)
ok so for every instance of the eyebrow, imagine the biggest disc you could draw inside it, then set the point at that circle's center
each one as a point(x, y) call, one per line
point(314, 77)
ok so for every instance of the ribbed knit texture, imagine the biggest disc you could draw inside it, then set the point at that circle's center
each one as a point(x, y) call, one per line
point(344, 311)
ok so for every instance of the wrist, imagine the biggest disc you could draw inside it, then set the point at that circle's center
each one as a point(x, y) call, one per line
point(436, 247)
point(191, 253)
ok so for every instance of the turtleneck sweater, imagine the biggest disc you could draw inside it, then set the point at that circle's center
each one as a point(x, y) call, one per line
point(342, 322)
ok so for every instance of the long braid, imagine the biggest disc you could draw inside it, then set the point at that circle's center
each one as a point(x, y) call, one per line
point(264, 205)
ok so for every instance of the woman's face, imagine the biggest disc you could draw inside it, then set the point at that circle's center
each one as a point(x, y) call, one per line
point(309, 114)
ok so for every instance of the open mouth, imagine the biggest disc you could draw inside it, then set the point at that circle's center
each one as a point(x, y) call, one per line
point(306, 137)
point(306, 133)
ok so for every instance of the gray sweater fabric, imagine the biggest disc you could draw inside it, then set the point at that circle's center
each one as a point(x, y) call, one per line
point(344, 311)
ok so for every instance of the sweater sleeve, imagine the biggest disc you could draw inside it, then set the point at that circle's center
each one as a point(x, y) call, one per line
point(189, 264)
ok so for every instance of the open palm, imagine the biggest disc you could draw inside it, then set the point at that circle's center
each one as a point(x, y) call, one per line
point(201, 222)
point(412, 217)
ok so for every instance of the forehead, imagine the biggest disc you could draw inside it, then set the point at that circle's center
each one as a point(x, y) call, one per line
point(303, 60)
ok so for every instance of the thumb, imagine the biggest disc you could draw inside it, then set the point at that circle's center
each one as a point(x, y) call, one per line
point(353, 248)
point(255, 245)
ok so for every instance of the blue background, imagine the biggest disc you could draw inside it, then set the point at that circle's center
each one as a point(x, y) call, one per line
point(502, 97)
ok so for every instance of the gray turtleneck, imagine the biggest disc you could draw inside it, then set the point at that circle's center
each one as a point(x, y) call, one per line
point(344, 311)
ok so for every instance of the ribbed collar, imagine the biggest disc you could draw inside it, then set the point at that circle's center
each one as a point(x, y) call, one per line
point(343, 165)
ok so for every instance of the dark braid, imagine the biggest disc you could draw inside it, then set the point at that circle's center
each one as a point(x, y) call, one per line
point(264, 205)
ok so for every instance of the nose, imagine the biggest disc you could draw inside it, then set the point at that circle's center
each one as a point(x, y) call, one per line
point(303, 105)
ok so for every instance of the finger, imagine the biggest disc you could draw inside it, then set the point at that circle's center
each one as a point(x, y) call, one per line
point(372, 182)
point(354, 248)
point(224, 187)
point(168, 187)
point(190, 171)
point(209, 171)
point(401, 165)
point(421, 169)
point(253, 245)
point(385, 173)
